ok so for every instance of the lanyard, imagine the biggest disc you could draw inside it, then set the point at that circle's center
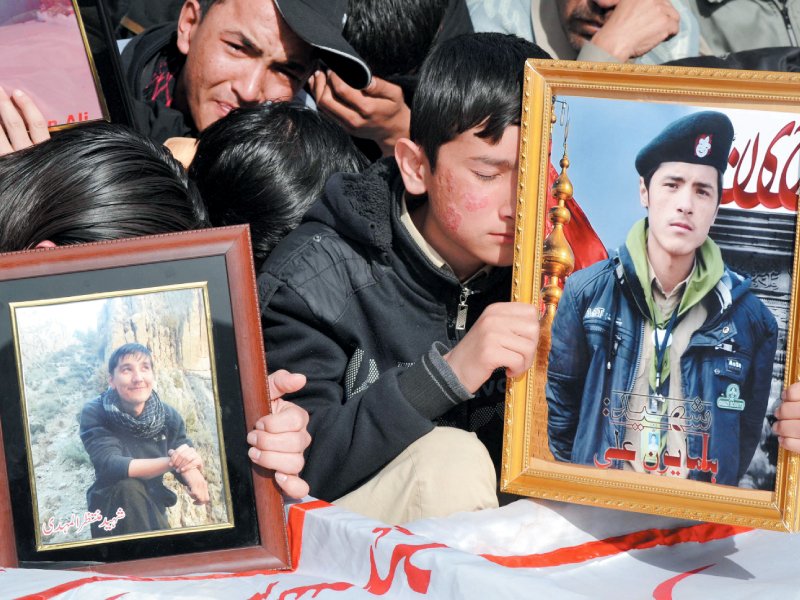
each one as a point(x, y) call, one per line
point(661, 347)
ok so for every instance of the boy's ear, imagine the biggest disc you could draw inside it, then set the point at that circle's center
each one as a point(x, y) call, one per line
point(189, 19)
point(643, 195)
point(414, 166)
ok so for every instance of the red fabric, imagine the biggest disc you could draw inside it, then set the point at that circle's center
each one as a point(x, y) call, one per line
point(638, 540)
point(585, 244)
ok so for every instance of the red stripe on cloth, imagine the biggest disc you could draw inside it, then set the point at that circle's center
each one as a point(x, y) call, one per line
point(639, 540)
point(664, 590)
point(296, 517)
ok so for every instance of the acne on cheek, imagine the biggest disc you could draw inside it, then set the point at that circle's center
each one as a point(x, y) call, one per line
point(449, 215)
point(451, 219)
point(473, 203)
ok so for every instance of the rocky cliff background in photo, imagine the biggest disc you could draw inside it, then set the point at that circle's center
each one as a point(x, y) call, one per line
point(64, 356)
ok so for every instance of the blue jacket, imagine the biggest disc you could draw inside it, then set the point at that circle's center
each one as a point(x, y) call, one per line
point(596, 349)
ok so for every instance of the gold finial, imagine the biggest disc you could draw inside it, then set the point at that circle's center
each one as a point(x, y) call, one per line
point(558, 258)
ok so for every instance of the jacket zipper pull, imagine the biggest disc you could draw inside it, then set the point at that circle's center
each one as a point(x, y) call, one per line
point(461, 315)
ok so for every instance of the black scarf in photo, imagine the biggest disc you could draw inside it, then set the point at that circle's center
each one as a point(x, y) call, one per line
point(147, 425)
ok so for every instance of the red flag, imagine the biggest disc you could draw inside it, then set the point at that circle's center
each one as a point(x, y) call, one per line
point(585, 244)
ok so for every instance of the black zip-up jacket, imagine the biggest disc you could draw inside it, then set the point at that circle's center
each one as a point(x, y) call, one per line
point(153, 119)
point(351, 301)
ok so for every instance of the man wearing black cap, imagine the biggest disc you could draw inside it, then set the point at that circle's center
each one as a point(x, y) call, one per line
point(661, 356)
point(223, 54)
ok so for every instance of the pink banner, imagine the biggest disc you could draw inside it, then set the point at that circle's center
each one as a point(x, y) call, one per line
point(43, 54)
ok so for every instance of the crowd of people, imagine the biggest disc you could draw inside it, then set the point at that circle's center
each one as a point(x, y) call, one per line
point(372, 146)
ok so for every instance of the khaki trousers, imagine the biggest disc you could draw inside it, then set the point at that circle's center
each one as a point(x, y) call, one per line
point(446, 471)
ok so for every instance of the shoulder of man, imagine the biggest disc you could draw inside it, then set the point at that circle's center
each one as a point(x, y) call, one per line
point(92, 406)
point(319, 265)
point(599, 273)
point(342, 231)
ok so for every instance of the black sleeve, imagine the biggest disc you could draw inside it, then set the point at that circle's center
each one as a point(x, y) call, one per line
point(353, 435)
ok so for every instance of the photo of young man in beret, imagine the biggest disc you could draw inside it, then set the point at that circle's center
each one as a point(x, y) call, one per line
point(661, 355)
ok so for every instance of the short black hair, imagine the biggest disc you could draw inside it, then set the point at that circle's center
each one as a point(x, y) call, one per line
point(649, 176)
point(127, 350)
point(266, 165)
point(92, 183)
point(393, 36)
point(205, 5)
point(472, 80)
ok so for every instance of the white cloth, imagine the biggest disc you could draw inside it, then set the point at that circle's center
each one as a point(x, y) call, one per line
point(528, 549)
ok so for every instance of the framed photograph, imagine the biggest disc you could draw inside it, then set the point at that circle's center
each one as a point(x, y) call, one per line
point(656, 230)
point(62, 54)
point(133, 371)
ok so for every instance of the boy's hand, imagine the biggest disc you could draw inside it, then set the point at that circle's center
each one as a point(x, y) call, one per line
point(787, 428)
point(184, 458)
point(377, 113)
point(505, 335)
point(21, 122)
point(280, 438)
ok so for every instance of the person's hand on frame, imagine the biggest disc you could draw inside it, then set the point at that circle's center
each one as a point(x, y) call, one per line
point(280, 438)
point(21, 122)
point(787, 427)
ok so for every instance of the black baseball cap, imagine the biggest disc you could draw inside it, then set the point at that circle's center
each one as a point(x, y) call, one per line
point(702, 138)
point(320, 23)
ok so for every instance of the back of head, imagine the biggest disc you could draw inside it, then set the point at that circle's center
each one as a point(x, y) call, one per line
point(93, 183)
point(266, 165)
point(469, 81)
point(393, 36)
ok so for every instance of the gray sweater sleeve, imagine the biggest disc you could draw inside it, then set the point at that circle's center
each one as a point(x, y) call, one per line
point(430, 385)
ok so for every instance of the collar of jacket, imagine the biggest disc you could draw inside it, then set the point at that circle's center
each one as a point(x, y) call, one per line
point(708, 270)
point(365, 208)
point(358, 205)
point(722, 295)
point(142, 49)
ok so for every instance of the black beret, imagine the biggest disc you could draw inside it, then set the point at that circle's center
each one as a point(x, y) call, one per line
point(702, 138)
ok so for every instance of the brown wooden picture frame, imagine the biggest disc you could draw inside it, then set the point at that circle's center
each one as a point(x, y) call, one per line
point(610, 95)
point(229, 249)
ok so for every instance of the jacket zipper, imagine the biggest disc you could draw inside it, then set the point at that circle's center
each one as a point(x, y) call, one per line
point(461, 312)
point(781, 6)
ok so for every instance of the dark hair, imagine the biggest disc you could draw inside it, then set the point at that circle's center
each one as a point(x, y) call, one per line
point(393, 36)
point(649, 176)
point(266, 165)
point(92, 183)
point(127, 350)
point(205, 5)
point(472, 80)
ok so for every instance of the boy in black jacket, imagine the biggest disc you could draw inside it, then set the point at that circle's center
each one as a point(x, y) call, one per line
point(392, 297)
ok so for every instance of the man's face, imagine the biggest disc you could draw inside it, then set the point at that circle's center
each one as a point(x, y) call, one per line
point(681, 207)
point(581, 19)
point(241, 53)
point(472, 201)
point(133, 380)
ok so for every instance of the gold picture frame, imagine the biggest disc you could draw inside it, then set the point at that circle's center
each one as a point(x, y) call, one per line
point(605, 113)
